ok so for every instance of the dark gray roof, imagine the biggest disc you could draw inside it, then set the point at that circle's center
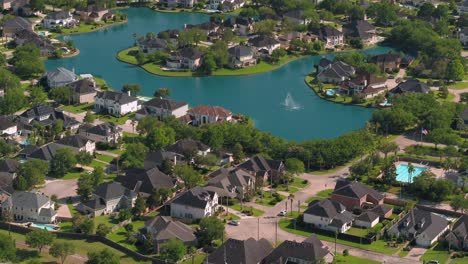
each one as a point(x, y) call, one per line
point(9, 165)
point(91, 8)
point(182, 146)
point(76, 141)
point(259, 164)
point(311, 250)
point(103, 129)
point(368, 216)
point(419, 221)
point(195, 197)
point(119, 97)
point(411, 86)
point(359, 29)
point(95, 204)
point(83, 86)
point(46, 152)
point(145, 181)
point(27, 37)
point(460, 228)
point(325, 208)
point(18, 23)
point(355, 190)
point(464, 114)
point(155, 43)
point(164, 228)
point(58, 15)
point(60, 75)
point(340, 219)
point(262, 41)
point(230, 180)
point(381, 210)
point(6, 122)
point(338, 69)
point(164, 103)
point(189, 53)
point(47, 212)
point(112, 190)
point(233, 251)
point(156, 159)
point(328, 31)
point(324, 62)
point(37, 111)
point(29, 199)
point(240, 51)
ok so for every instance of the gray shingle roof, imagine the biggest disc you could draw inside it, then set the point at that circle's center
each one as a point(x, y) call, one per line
point(184, 145)
point(103, 129)
point(145, 181)
point(368, 216)
point(240, 51)
point(83, 86)
point(411, 86)
point(58, 15)
point(338, 69)
point(47, 212)
point(164, 228)
point(156, 159)
point(9, 165)
point(230, 180)
point(355, 190)
point(155, 43)
point(419, 221)
point(325, 208)
point(196, 197)
point(19, 23)
point(259, 164)
point(60, 75)
point(119, 97)
point(75, 141)
point(233, 251)
point(37, 111)
point(311, 250)
point(112, 190)
point(29, 199)
point(6, 122)
point(460, 228)
point(262, 41)
point(164, 103)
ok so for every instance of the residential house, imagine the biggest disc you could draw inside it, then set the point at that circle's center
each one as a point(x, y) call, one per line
point(335, 72)
point(27, 37)
point(234, 251)
point(205, 114)
point(15, 25)
point(388, 62)
point(423, 226)
point(93, 11)
point(264, 44)
point(329, 215)
point(362, 30)
point(115, 103)
point(225, 5)
point(367, 219)
point(156, 159)
point(354, 194)
point(30, 207)
point(368, 85)
point(83, 91)
point(8, 170)
point(463, 36)
point(151, 44)
point(79, 143)
point(45, 152)
point(411, 86)
point(8, 128)
point(234, 183)
point(240, 24)
point(185, 58)
point(194, 204)
point(108, 198)
point(463, 7)
point(285, 39)
point(162, 108)
point(331, 36)
point(144, 182)
point(207, 27)
point(241, 56)
point(310, 251)
point(179, 3)
point(383, 211)
point(189, 147)
point(46, 116)
point(58, 19)
point(60, 77)
point(458, 236)
point(264, 169)
point(5, 4)
point(164, 228)
point(102, 133)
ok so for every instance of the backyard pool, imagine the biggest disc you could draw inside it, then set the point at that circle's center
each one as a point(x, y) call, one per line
point(330, 92)
point(403, 175)
point(46, 227)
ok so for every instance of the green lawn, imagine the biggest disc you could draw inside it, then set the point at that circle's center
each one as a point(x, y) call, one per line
point(105, 219)
point(77, 108)
point(255, 211)
point(231, 216)
point(96, 163)
point(403, 253)
point(74, 174)
point(83, 28)
point(113, 119)
point(299, 183)
point(268, 199)
point(353, 260)
point(320, 195)
point(436, 253)
point(356, 231)
point(290, 189)
point(119, 235)
point(116, 151)
point(459, 260)
point(378, 246)
point(458, 85)
point(104, 158)
point(197, 260)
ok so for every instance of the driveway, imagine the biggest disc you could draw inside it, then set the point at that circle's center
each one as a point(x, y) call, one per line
point(61, 188)
point(416, 253)
point(391, 83)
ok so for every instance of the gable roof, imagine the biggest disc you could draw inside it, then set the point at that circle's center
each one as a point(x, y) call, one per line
point(6, 122)
point(103, 129)
point(240, 51)
point(119, 97)
point(187, 144)
point(76, 141)
point(9, 165)
point(156, 43)
point(112, 190)
point(164, 228)
point(210, 111)
point(355, 189)
point(411, 86)
point(29, 199)
point(164, 103)
point(46, 152)
point(325, 208)
point(60, 75)
point(58, 15)
point(359, 29)
point(156, 159)
point(145, 181)
point(260, 164)
point(18, 23)
point(460, 228)
point(337, 69)
point(310, 250)
point(324, 62)
point(189, 53)
point(83, 86)
point(234, 251)
point(328, 32)
point(368, 216)
point(229, 180)
point(262, 41)
point(419, 221)
point(381, 210)
point(40, 110)
point(196, 197)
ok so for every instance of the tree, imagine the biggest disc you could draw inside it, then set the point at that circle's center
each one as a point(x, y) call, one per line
point(455, 70)
point(190, 177)
point(84, 158)
point(277, 54)
point(208, 64)
point(62, 162)
point(238, 153)
point(211, 228)
point(384, 13)
point(62, 250)
point(12, 101)
point(8, 80)
point(103, 257)
point(389, 171)
point(39, 239)
point(411, 170)
point(140, 206)
point(443, 136)
point(387, 147)
point(7, 150)
point(87, 227)
point(134, 155)
point(3, 60)
point(158, 196)
point(89, 118)
point(173, 250)
point(37, 96)
point(27, 62)
point(220, 52)
point(37, 4)
point(7, 249)
point(141, 58)
point(265, 27)
point(30, 174)
point(61, 94)
point(103, 230)
point(98, 176)
point(132, 88)
point(459, 202)
point(85, 186)
point(162, 93)
point(160, 137)
point(294, 166)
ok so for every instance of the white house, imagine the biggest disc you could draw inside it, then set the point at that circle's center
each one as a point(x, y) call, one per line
point(241, 56)
point(30, 206)
point(58, 19)
point(108, 198)
point(204, 114)
point(331, 36)
point(105, 133)
point(161, 108)
point(115, 103)
point(196, 203)
point(78, 143)
point(463, 36)
point(8, 127)
point(329, 215)
point(264, 44)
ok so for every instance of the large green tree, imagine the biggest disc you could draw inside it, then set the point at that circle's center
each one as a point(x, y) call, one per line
point(31, 173)
point(62, 250)
point(134, 155)
point(211, 228)
point(63, 161)
point(173, 250)
point(85, 186)
point(7, 249)
point(39, 239)
point(103, 257)
point(189, 176)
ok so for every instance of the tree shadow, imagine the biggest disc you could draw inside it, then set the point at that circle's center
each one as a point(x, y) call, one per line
point(24, 254)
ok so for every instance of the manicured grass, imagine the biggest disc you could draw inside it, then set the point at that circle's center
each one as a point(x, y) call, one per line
point(403, 253)
point(255, 211)
point(320, 195)
point(96, 164)
point(72, 209)
point(119, 235)
point(66, 227)
point(104, 158)
point(110, 177)
point(74, 174)
point(290, 189)
point(436, 253)
point(268, 199)
point(356, 231)
point(105, 219)
point(198, 259)
point(458, 85)
point(459, 260)
point(353, 260)
point(77, 108)
point(378, 246)
point(231, 216)
point(116, 151)
point(299, 183)
point(114, 119)
point(83, 28)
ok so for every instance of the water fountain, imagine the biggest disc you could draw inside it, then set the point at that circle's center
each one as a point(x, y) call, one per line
point(290, 104)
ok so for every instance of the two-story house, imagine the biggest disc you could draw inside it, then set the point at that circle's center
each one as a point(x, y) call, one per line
point(58, 19)
point(329, 215)
point(102, 133)
point(8, 173)
point(115, 103)
point(151, 44)
point(368, 85)
point(46, 116)
point(145, 181)
point(83, 91)
point(331, 36)
point(60, 77)
point(30, 206)
point(8, 128)
point(189, 147)
point(264, 169)
point(264, 44)
point(185, 58)
point(93, 12)
point(162, 108)
point(78, 143)
point(194, 204)
point(44, 44)
point(14, 25)
point(234, 251)
point(108, 198)
point(236, 183)
point(334, 72)
point(362, 30)
point(388, 62)
point(241, 56)
point(458, 236)
point(205, 114)
point(411, 86)
point(353, 194)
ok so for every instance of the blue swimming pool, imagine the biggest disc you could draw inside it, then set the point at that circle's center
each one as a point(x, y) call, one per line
point(46, 227)
point(330, 92)
point(403, 175)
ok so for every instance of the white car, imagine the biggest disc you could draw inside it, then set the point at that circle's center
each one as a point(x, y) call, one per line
point(234, 222)
point(283, 213)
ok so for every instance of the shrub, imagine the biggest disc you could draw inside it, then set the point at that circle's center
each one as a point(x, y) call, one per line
point(346, 252)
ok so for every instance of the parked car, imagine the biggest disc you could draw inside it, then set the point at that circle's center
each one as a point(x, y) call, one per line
point(432, 262)
point(234, 222)
point(283, 213)
point(391, 77)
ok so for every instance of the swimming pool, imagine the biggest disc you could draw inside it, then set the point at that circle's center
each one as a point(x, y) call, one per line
point(46, 227)
point(403, 175)
point(330, 92)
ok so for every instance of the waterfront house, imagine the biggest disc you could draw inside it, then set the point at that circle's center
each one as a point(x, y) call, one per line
point(189, 147)
point(162, 108)
point(335, 72)
point(234, 251)
point(362, 30)
point(145, 181)
point(263, 168)
point(328, 215)
point(27, 37)
point(388, 62)
point(194, 204)
point(235, 183)
point(115, 103)
point(458, 236)
point(78, 143)
point(226, 5)
point(164, 228)
point(46, 116)
point(331, 36)
point(368, 85)
point(309, 251)
point(264, 44)
point(354, 194)
point(240, 24)
point(241, 56)
point(60, 77)
point(185, 58)
point(411, 86)
point(463, 36)
point(178, 3)
point(204, 114)
point(156, 159)
point(83, 91)
point(8, 173)
point(30, 207)
point(151, 44)
point(102, 133)
point(58, 19)
point(423, 226)
point(14, 25)
point(8, 128)
point(93, 12)
point(108, 198)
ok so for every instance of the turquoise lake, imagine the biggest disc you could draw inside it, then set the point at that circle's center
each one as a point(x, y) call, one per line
point(262, 96)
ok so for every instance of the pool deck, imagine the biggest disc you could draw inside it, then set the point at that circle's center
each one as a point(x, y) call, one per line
point(439, 173)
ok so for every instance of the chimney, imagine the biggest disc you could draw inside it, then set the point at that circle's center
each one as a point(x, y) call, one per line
point(129, 93)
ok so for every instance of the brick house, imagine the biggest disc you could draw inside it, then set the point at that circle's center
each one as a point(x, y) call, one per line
point(354, 194)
